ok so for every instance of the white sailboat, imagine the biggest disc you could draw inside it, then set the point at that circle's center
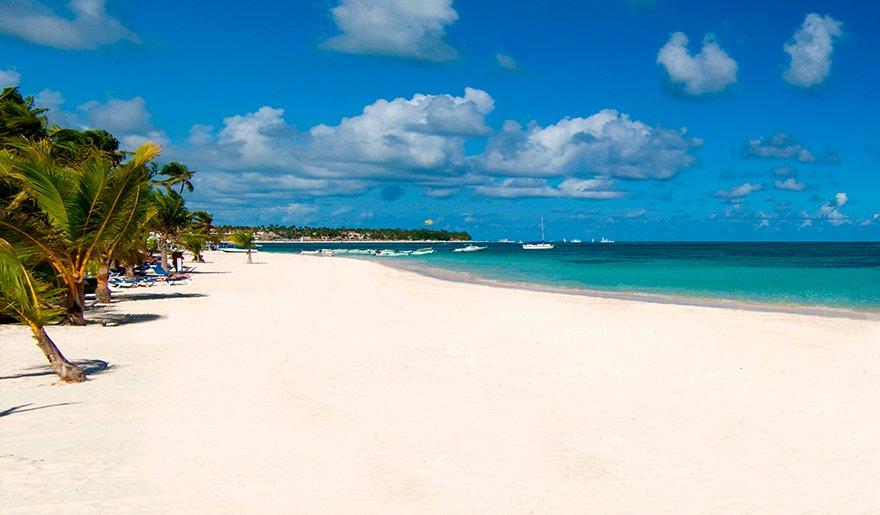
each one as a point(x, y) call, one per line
point(542, 245)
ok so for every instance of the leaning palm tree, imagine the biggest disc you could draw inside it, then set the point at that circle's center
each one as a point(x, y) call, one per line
point(177, 174)
point(170, 219)
point(27, 298)
point(244, 240)
point(75, 211)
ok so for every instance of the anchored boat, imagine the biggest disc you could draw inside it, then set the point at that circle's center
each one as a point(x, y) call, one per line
point(538, 245)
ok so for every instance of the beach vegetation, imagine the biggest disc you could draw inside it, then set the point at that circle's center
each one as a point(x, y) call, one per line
point(30, 298)
point(244, 240)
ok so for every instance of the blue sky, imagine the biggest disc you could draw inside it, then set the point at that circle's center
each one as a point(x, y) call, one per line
point(635, 120)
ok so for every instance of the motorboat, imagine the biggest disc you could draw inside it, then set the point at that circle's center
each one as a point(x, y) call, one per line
point(469, 248)
point(422, 251)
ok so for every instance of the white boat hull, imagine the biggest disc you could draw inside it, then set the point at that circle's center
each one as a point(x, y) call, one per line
point(537, 246)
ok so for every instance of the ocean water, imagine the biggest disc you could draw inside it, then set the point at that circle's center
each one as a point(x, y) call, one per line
point(841, 275)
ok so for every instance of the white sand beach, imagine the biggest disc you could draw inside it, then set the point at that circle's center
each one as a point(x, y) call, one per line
point(314, 385)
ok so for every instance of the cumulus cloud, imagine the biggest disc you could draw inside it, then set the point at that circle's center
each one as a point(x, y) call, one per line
point(89, 28)
point(831, 210)
point(400, 28)
point(9, 79)
point(598, 188)
point(505, 61)
point(709, 71)
point(789, 184)
point(607, 143)
point(739, 192)
point(418, 141)
point(782, 146)
point(128, 120)
point(811, 50)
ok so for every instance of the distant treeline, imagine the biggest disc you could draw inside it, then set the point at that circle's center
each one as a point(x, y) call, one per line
point(280, 232)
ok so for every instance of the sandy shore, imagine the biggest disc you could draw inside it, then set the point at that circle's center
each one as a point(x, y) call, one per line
point(312, 385)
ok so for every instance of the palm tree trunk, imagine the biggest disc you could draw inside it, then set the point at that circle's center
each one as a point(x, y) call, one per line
point(165, 253)
point(249, 256)
point(102, 293)
point(129, 272)
point(67, 371)
point(76, 301)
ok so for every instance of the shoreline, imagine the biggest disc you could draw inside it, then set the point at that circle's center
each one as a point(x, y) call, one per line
point(635, 296)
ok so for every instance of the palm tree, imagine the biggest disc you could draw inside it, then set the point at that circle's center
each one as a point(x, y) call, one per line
point(177, 174)
point(129, 236)
point(24, 296)
point(244, 240)
point(19, 118)
point(170, 219)
point(79, 211)
point(194, 243)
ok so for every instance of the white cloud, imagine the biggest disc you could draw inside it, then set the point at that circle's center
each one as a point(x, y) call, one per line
point(811, 50)
point(128, 120)
point(738, 192)
point(607, 143)
point(789, 184)
point(420, 140)
point(709, 71)
point(599, 188)
point(402, 28)
point(424, 134)
point(9, 79)
point(779, 146)
point(506, 61)
point(831, 210)
point(90, 27)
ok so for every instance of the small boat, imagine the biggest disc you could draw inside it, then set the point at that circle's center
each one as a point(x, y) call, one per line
point(391, 253)
point(469, 248)
point(422, 251)
point(538, 245)
point(235, 250)
point(603, 240)
point(575, 241)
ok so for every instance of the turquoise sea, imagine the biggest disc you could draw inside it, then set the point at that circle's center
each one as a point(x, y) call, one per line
point(841, 275)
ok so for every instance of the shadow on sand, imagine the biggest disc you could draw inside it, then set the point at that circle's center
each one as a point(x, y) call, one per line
point(89, 366)
point(24, 407)
point(122, 297)
point(114, 319)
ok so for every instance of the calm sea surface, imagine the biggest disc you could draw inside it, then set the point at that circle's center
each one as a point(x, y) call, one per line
point(812, 274)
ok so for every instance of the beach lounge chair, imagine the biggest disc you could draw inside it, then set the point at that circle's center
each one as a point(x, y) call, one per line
point(168, 277)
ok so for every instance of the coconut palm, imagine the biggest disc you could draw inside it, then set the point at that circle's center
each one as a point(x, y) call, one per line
point(71, 145)
point(82, 210)
point(244, 240)
point(170, 219)
point(29, 299)
point(19, 118)
point(177, 174)
point(194, 242)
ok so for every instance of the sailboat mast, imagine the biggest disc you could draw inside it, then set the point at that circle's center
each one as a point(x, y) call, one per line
point(542, 228)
